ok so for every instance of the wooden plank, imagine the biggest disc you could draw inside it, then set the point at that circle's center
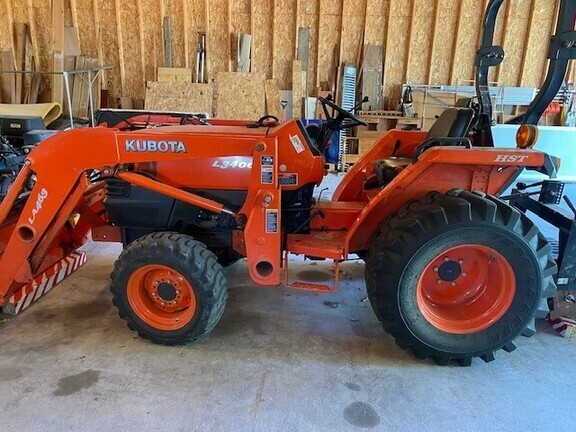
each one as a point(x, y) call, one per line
point(372, 77)
point(298, 89)
point(71, 41)
point(8, 80)
point(120, 47)
point(232, 87)
point(29, 65)
point(273, 106)
point(21, 30)
point(175, 74)
point(303, 47)
point(77, 85)
point(167, 42)
point(142, 40)
point(186, 25)
point(57, 49)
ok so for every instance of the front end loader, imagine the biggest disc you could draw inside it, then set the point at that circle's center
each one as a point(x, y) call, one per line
point(453, 272)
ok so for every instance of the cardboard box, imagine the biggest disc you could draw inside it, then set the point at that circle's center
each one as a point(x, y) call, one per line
point(563, 317)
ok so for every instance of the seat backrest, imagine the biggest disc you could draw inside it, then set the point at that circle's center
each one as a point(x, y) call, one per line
point(454, 122)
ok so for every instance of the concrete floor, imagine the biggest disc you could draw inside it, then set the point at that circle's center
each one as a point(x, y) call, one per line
point(278, 360)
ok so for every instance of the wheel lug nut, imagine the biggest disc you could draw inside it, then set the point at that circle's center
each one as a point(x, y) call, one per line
point(154, 294)
point(435, 269)
point(162, 303)
point(446, 259)
point(460, 261)
point(464, 274)
point(438, 281)
point(453, 284)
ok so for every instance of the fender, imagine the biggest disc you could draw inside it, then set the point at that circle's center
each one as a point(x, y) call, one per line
point(445, 168)
point(350, 188)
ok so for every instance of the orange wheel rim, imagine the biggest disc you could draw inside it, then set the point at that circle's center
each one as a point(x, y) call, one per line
point(466, 289)
point(161, 297)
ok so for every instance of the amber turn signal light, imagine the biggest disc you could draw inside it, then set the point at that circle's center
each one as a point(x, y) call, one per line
point(526, 136)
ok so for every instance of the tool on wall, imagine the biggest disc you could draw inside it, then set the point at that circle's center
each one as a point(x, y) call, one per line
point(201, 57)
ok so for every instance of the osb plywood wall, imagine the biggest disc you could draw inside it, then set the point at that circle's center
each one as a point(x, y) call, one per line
point(425, 41)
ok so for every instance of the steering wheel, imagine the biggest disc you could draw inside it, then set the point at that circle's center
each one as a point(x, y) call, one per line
point(272, 121)
point(339, 122)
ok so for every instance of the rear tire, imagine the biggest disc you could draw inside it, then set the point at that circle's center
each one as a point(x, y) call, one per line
point(169, 288)
point(462, 317)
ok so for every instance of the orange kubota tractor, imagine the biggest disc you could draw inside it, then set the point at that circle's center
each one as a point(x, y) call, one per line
point(452, 271)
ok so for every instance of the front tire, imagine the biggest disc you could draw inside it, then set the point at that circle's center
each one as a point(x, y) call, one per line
point(458, 276)
point(169, 288)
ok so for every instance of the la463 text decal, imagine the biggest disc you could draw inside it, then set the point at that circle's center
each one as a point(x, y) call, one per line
point(42, 195)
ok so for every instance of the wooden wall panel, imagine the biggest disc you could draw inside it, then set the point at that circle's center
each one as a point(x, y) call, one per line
point(376, 22)
point(538, 40)
point(421, 36)
point(329, 25)
point(425, 41)
point(284, 47)
point(262, 36)
point(308, 18)
point(133, 83)
point(86, 27)
point(466, 42)
point(240, 22)
point(513, 41)
point(218, 38)
point(109, 46)
point(175, 10)
point(396, 50)
point(445, 31)
point(352, 30)
point(6, 24)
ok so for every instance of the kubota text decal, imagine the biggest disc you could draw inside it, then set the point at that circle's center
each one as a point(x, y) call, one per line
point(152, 146)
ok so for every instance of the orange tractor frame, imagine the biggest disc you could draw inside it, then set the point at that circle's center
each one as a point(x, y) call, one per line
point(452, 271)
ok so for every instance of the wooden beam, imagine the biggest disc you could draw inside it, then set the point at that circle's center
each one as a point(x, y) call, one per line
point(74, 13)
point(57, 49)
point(98, 35)
point(120, 47)
point(10, 19)
point(409, 42)
point(167, 33)
point(33, 33)
point(434, 34)
point(456, 41)
point(186, 38)
point(142, 44)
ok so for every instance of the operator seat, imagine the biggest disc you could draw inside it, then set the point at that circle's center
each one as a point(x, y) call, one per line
point(452, 123)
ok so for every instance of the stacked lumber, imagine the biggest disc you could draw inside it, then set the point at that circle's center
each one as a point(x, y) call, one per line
point(20, 88)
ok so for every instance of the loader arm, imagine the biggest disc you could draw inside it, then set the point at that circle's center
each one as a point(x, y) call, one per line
point(59, 171)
